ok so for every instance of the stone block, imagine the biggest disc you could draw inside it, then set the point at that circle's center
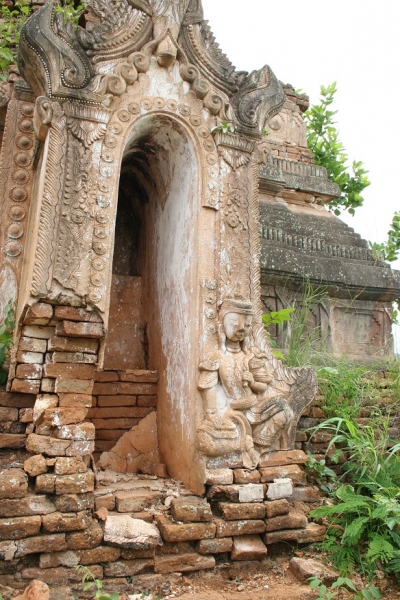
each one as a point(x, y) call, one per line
point(36, 331)
point(56, 417)
point(74, 502)
point(251, 492)
point(31, 344)
point(39, 314)
point(70, 357)
point(280, 488)
point(282, 458)
point(42, 444)
point(124, 531)
point(128, 568)
point(304, 568)
point(236, 528)
point(75, 400)
point(25, 386)
point(224, 492)
point(48, 385)
point(242, 476)
point(215, 546)
point(45, 484)
point(80, 329)
point(8, 414)
point(71, 313)
point(41, 543)
point(135, 501)
point(42, 403)
point(275, 508)
point(107, 501)
point(15, 528)
point(35, 465)
point(61, 522)
point(102, 554)
point(312, 533)
point(79, 483)
point(74, 386)
point(81, 432)
point(248, 547)
point(306, 494)
point(17, 400)
point(64, 344)
point(238, 512)
point(31, 371)
point(69, 465)
point(68, 558)
point(90, 538)
point(26, 415)
point(13, 483)
point(293, 472)
point(8, 549)
point(36, 590)
point(29, 357)
point(183, 563)
point(190, 508)
point(80, 448)
point(69, 371)
point(12, 440)
point(30, 505)
point(219, 476)
point(295, 519)
point(173, 532)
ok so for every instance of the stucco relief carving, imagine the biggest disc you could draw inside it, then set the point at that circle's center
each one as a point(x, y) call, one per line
point(251, 403)
point(288, 126)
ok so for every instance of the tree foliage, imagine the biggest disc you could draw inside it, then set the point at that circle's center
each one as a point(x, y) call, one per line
point(323, 141)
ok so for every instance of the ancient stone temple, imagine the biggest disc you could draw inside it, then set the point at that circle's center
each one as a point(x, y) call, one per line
point(131, 244)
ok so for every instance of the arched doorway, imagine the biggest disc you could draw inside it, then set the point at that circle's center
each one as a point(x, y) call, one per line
point(154, 293)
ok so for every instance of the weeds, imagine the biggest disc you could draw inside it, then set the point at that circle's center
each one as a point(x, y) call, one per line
point(364, 525)
point(343, 584)
point(96, 585)
point(6, 336)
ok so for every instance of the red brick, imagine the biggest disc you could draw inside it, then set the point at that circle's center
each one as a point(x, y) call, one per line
point(30, 371)
point(173, 532)
point(117, 412)
point(8, 414)
point(41, 543)
point(115, 423)
point(71, 357)
point(16, 528)
point(80, 329)
point(76, 400)
point(12, 440)
point(118, 400)
point(138, 375)
point(69, 371)
point(26, 386)
point(36, 331)
point(105, 376)
point(58, 522)
point(147, 401)
point(74, 386)
point(64, 344)
point(71, 313)
point(56, 417)
point(30, 344)
point(29, 357)
point(17, 400)
point(234, 528)
point(39, 314)
point(124, 388)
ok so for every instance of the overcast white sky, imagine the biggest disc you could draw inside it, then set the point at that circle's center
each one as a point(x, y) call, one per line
point(310, 43)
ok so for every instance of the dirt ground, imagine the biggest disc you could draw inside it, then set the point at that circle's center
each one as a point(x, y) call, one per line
point(269, 580)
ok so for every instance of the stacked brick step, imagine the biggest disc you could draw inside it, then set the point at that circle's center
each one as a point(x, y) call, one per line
point(121, 399)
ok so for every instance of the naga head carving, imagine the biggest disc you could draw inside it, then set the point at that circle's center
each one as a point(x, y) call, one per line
point(259, 97)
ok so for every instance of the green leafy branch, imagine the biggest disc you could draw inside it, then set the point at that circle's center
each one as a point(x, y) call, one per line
point(323, 141)
point(92, 583)
point(11, 22)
